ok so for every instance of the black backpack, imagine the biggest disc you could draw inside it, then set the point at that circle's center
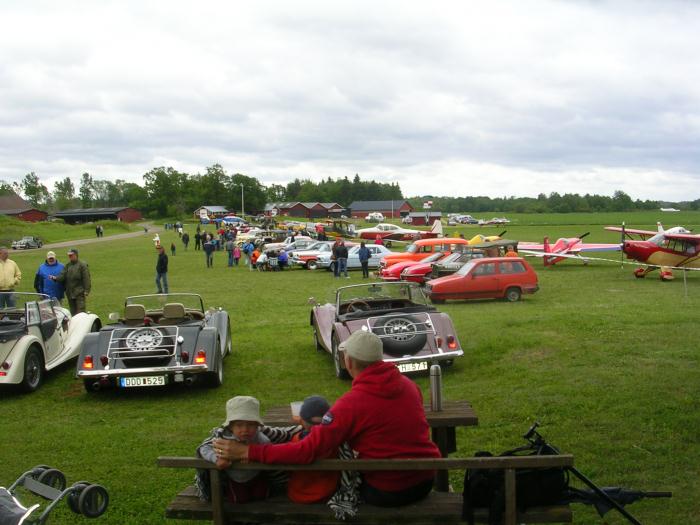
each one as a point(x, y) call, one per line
point(485, 488)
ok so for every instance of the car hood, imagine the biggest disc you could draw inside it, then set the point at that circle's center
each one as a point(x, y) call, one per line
point(380, 379)
point(399, 267)
point(446, 280)
point(419, 268)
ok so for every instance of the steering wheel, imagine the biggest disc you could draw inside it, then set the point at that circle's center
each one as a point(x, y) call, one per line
point(358, 305)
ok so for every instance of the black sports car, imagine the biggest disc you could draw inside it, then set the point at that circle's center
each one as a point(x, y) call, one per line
point(159, 339)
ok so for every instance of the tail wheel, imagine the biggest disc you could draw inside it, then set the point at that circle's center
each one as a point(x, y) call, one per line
point(340, 371)
point(513, 294)
point(33, 370)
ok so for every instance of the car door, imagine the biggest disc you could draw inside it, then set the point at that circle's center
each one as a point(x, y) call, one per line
point(482, 281)
point(376, 254)
point(51, 329)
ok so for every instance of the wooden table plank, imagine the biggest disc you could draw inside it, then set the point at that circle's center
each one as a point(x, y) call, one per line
point(453, 414)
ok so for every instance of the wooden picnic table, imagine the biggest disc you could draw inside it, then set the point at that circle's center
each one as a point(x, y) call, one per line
point(443, 425)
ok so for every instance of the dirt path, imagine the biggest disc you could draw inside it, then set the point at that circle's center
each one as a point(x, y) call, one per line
point(152, 228)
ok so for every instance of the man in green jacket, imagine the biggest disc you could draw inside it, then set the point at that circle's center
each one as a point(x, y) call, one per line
point(76, 279)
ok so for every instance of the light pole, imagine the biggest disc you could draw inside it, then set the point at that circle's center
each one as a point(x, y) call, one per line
point(242, 201)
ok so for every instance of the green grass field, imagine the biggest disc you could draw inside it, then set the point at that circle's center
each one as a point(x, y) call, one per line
point(13, 229)
point(606, 362)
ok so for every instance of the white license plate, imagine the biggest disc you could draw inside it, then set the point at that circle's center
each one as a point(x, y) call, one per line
point(127, 382)
point(412, 367)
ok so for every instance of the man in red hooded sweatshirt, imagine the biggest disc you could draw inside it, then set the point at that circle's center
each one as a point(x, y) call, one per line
point(381, 417)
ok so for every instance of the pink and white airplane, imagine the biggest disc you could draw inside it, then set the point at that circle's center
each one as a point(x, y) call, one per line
point(392, 232)
point(565, 248)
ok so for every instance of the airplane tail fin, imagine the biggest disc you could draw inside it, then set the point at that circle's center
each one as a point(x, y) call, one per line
point(547, 249)
point(437, 227)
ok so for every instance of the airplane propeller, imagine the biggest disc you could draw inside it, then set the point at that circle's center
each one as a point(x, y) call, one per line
point(584, 235)
point(502, 233)
point(622, 245)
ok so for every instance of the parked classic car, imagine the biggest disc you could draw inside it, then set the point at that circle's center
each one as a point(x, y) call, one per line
point(414, 334)
point(377, 252)
point(27, 242)
point(422, 272)
point(37, 335)
point(488, 278)
point(159, 339)
point(393, 272)
point(307, 257)
point(422, 248)
point(452, 263)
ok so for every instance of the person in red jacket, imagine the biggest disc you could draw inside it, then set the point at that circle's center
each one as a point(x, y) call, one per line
point(381, 417)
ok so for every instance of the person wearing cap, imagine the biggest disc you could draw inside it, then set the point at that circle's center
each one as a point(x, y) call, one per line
point(75, 277)
point(42, 281)
point(381, 417)
point(242, 425)
point(10, 277)
point(312, 486)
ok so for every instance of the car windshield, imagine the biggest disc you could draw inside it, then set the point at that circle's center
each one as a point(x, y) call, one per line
point(464, 270)
point(432, 257)
point(412, 248)
point(389, 290)
point(20, 299)
point(153, 302)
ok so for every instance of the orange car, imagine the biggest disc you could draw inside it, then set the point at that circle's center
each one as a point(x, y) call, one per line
point(422, 248)
point(494, 277)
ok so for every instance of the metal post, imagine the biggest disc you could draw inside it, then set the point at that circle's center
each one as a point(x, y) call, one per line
point(242, 204)
point(435, 388)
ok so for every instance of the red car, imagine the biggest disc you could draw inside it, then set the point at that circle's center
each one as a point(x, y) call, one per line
point(489, 278)
point(393, 272)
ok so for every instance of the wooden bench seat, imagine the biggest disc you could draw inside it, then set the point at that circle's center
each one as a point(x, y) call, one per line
point(438, 508)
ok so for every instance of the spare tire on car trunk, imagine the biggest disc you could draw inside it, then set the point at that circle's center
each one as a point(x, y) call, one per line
point(401, 334)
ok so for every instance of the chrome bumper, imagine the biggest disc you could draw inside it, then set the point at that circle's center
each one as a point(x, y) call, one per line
point(125, 372)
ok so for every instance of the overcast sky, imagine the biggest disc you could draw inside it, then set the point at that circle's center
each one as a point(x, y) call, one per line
point(445, 98)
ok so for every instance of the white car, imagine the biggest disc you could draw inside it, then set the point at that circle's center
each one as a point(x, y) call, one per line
point(375, 216)
point(37, 335)
point(289, 244)
point(307, 257)
point(377, 252)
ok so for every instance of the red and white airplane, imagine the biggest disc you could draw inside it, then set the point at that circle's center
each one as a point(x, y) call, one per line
point(662, 249)
point(392, 232)
point(565, 248)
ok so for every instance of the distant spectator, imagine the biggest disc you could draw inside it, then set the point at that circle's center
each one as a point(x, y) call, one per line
point(379, 241)
point(209, 249)
point(42, 281)
point(229, 250)
point(236, 254)
point(197, 239)
point(364, 255)
point(341, 260)
point(511, 252)
point(185, 239)
point(10, 277)
point(172, 248)
point(162, 271)
point(283, 260)
point(261, 262)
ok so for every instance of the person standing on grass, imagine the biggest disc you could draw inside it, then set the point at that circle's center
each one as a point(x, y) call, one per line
point(76, 279)
point(236, 254)
point(341, 261)
point(197, 239)
point(209, 250)
point(364, 255)
point(162, 271)
point(42, 281)
point(229, 250)
point(334, 255)
point(185, 239)
point(10, 277)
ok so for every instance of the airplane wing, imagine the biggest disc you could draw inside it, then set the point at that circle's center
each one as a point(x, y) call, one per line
point(586, 247)
point(688, 237)
point(644, 234)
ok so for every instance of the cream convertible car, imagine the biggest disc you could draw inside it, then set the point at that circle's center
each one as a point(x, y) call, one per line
point(37, 335)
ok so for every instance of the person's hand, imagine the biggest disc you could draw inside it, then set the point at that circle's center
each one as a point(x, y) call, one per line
point(222, 464)
point(230, 450)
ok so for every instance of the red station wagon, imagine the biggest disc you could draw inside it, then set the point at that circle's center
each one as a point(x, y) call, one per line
point(494, 277)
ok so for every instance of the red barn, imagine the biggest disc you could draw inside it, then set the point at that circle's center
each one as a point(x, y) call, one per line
point(397, 208)
point(123, 213)
point(15, 206)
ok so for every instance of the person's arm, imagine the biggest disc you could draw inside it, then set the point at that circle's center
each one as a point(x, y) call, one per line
point(87, 285)
point(38, 282)
point(18, 275)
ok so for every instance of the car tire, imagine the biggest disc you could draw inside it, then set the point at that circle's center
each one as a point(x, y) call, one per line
point(513, 294)
point(398, 334)
point(312, 265)
point(93, 501)
point(340, 372)
point(33, 370)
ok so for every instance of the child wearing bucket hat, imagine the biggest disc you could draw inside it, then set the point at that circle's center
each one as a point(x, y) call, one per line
point(242, 424)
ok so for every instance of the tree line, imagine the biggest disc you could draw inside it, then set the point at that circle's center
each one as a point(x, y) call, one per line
point(167, 192)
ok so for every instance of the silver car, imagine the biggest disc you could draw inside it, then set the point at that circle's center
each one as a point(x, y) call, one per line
point(377, 251)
